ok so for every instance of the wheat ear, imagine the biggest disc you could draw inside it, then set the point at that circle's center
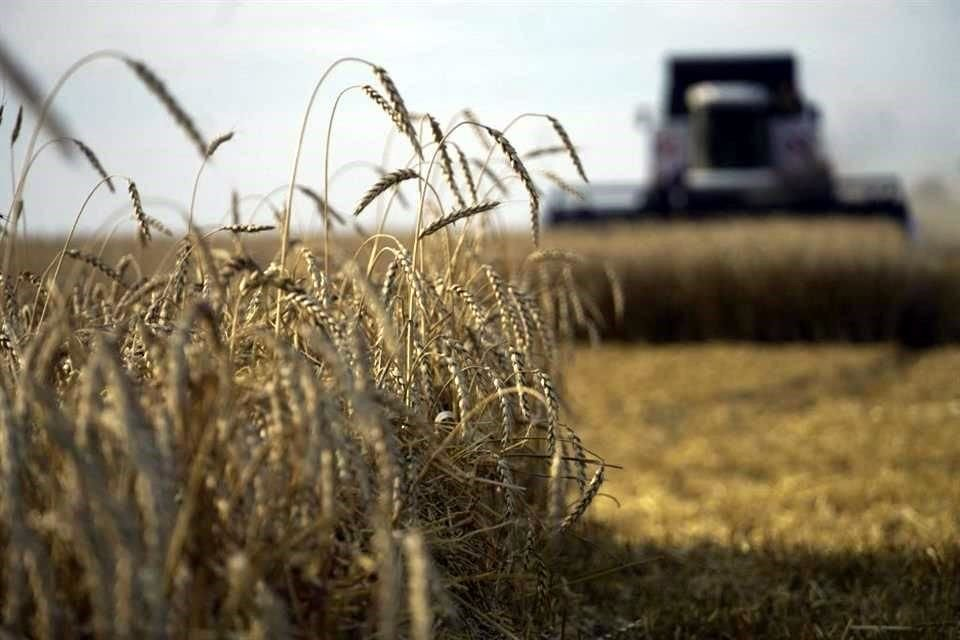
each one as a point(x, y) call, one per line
point(513, 158)
point(459, 214)
point(216, 142)
point(384, 183)
point(95, 163)
point(445, 163)
point(401, 117)
point(321, 204)
point(96, 263)
point(138, 213)
point(568, 145)
point(17, 124)
point(159, 89)
point(564, 186)
point(247, 228)
point(593, 488)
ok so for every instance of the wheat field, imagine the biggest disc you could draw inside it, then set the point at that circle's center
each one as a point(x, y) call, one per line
point(202, 440)
point(230, 431)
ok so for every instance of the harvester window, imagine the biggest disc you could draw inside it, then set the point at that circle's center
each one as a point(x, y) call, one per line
point(730, 137)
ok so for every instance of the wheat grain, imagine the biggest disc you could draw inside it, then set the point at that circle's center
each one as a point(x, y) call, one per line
point(540, 152)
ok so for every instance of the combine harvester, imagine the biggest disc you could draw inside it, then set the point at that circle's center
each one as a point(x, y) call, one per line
point(737, 140)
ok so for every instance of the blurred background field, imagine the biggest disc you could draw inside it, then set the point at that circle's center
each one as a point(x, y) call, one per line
point(771, 280)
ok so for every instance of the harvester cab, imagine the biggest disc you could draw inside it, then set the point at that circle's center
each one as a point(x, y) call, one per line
point(736, 138)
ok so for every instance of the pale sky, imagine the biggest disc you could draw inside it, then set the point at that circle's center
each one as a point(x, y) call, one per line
point(885, 74)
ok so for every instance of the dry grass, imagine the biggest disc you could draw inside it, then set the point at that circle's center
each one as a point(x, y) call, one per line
point(774, 492)
point(199, 438)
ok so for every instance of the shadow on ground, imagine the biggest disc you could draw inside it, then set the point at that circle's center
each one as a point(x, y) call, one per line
point(710, 590)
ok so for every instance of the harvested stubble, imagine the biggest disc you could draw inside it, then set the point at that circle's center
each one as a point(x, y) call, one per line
point(223, 446)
